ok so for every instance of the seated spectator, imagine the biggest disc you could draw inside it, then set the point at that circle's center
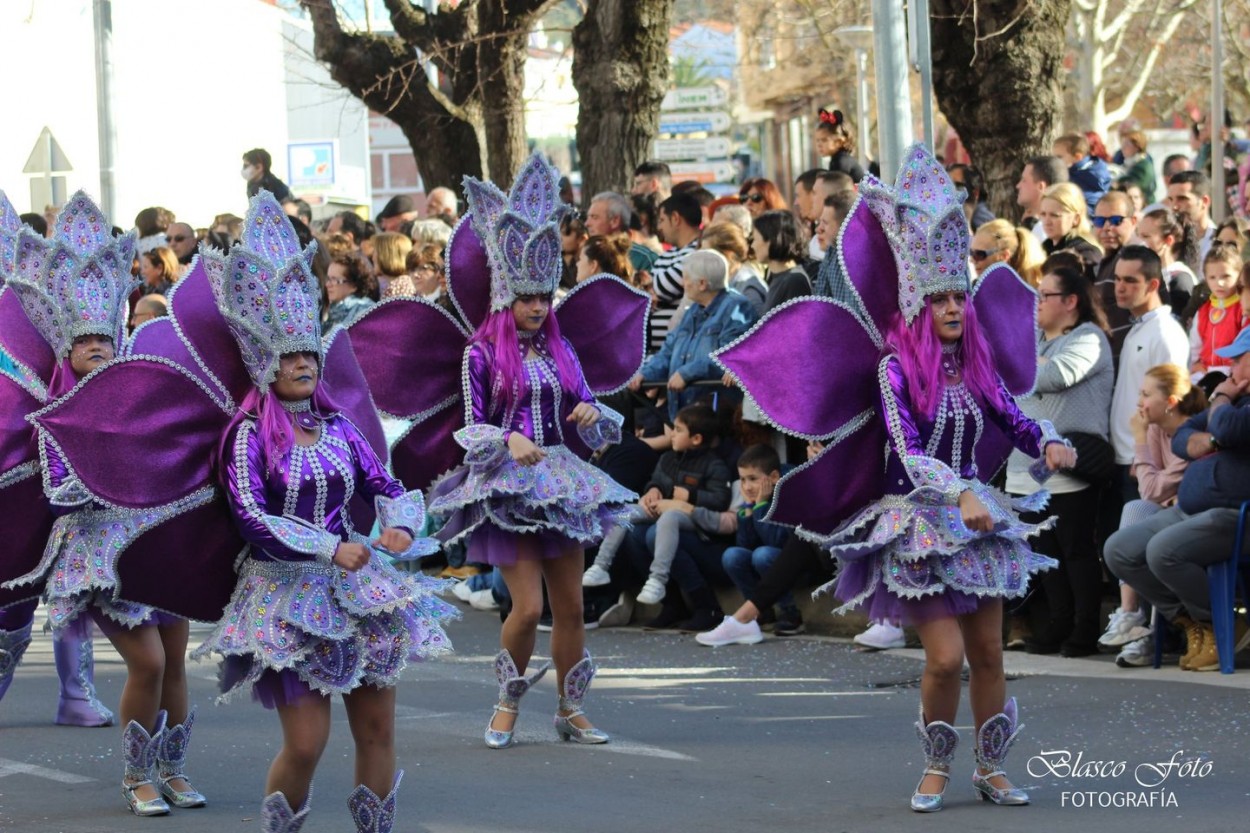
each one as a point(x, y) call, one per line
point(679, 219)
point(780, 246)
point(1086, 171)
point(605, 254)
point(715, 318)
point(688, 476)
point(998, 241)
point(1218, 321)
point(424, 277)
point(159, 270)
point(390, 258)
point(350, 291)
point(1166, 401)
point(1165, 557)
point(430, 232)
point(727, 238)
point(760, 195)
point(1065, 222)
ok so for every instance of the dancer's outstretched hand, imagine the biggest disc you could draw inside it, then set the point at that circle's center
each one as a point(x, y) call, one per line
point(351, 556)
point(974, 514)
point(394, 540)
point(524, 451)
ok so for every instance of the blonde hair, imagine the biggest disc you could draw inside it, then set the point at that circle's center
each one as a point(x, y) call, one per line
point(390, 251)
point(1174, 381)
point(727, 238)
point(1072, 200)
point(1027, 254)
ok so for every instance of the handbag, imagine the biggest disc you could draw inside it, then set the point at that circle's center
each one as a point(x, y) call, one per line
point(1095, 458)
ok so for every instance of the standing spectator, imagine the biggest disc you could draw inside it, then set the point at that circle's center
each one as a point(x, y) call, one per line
point(1065, 222)
point(182, 240)
point(835, 141)
point(644, 221)
point(653, 178)
point(399, 209)
point(829, 183)
point(572, 235)
point(430, 233)
point(1115, 224)
point(1189, 193)
point(1086, 171)
point(1038, 175)
point(610, 214)
point(760, 195)
point(1134, 195)
point(158, 268)
point(727, 238)
point(1174, 240)
point(779, 246)
point(973, 184)
point(715, 318)
point(350, 224)
point(390, 258)
point(998, 241)
point(146, 308)
point(679, 219)
point(1174, 164)
point(808, 207)
point(299, 209)
point(605, 254)
point(151, 223)
point(1219, 320)
point(441, 204)
point(350, 290)
point(1139, 168)
point(258, 171)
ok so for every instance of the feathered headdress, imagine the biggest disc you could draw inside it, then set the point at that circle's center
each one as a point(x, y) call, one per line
point(78, 282)
point(266, 290)
point(520, 232)
point(923, 219)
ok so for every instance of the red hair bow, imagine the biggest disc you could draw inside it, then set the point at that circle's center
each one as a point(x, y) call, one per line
point(833, 117)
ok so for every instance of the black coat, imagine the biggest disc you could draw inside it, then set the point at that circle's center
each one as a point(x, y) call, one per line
point(701, 473)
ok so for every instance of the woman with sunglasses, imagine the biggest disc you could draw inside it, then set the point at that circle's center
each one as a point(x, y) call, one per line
point(998, 241)
point(1065, 222)
point(760, 195)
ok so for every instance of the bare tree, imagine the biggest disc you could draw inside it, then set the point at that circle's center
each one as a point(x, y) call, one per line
point(620, 70)
point(997, 70)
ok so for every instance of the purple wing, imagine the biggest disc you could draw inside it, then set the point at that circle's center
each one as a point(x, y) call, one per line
point(348, 388)
point(186, 564)
point(848, 475)
point(468, 273)
point(869, 264)
point(21, 340)
point(106, 424)
point(196, 317)
point(17, 444)
point(428, 449)
point(605, 319)
point(25, 524)
point(409, 333)
point(797, 394)
point(159, 337)
point(1004, 303)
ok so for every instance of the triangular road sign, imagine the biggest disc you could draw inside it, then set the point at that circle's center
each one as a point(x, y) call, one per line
point(47, 156)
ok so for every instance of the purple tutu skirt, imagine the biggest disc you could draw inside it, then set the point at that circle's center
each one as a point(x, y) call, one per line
point(900, 560)
point(561, 502)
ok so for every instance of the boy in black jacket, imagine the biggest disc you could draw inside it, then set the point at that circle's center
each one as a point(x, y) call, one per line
point(690, 475)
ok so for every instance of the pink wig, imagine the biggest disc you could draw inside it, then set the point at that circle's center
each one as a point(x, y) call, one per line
point(499, 331)
point(919, 351)
point(274, 426)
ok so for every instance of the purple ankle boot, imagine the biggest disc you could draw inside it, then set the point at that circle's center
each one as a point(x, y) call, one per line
point(75, 665)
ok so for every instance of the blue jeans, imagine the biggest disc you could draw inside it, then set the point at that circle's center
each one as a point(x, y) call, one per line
point(745, 567)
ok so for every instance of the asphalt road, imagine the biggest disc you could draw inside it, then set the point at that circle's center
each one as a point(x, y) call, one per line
point(799, 734)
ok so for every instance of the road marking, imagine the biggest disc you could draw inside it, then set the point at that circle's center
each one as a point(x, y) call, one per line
point(8, 767)
point(615, 683)
point(822, 693)
point(626, 747)
point(813, 717)
point(667, 672)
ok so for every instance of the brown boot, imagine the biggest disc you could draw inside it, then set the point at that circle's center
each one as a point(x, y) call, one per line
point(1208, 659)
point(1193, 640)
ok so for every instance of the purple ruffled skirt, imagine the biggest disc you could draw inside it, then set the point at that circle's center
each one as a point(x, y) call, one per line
point(900, 560)
point(509, 512)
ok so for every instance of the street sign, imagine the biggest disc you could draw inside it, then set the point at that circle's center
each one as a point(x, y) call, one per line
point(669, 150)
point(694, 122)
point(687, 98)
point(47, 165)
point(703, 171)
point(311, 164)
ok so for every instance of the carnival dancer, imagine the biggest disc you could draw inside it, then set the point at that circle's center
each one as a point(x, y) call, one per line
point(27, 518)
point(524, 499)
point(927, 370)
point(318, 610)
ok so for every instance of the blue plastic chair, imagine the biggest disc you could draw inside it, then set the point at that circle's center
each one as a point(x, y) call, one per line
point(1225, 580)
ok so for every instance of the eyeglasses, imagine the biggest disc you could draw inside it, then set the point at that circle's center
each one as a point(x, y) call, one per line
point(745, 198)
point(1042, 296)
point(981, 254)
point(1113, 221)
point(335, 281)
point(178, 238)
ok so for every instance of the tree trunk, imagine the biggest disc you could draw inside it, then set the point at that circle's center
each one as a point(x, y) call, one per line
point(501, 75)
point(620, 71)
point(997, 69)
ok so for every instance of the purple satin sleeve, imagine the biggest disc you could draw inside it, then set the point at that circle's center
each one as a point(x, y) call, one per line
point(372, 478)
point(1025, 434)
point(583, 391)
point(475, 376)
point(246, 493)
point(938, 480)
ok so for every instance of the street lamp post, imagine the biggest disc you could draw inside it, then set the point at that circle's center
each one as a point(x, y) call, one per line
point(859, 38)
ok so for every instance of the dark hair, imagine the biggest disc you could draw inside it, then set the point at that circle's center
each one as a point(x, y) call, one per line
point(834, 123)
point(836, 181)
point(353, 225)
point(659, 170)
point(153, 220)
point(37, 223)
point(1151, 266)
point(358, 274)
point(694, 189)
point(684, 206)
point(760, 457)
point(1175, 157)
point(1063, 259)
point(700, 421)
point(611, 252)
point(781, 233)
point(1048, 169)
point(644, 212)
point(259, 156)
point(973, 181)
point(808, 178)
point(1185, 240)
point(427, 255)
point(302, 209)
point(841, 202)
point(1197, 179)
point(1072, 281)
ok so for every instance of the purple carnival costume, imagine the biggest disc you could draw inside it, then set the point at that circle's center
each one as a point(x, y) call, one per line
point(895, 526)
point(508, 246)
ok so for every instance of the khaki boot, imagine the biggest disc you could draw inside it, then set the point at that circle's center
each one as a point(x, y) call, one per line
point(1193, 640)
point(1208, 659)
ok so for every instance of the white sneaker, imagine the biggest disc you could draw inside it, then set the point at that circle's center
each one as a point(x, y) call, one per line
point(595, 576)
point(881, 636)
point(461, 590)
point(1137, 654)
point(731, 632)
point(1124, 627)
point(652, 592)
point(483, 600)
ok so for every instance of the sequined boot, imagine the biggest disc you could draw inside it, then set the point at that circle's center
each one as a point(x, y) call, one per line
point(373, 814)
point(140, 747)
point(12, 645)
point(512, 687)
point(576, 683)
point(939, 740)
point(994, 739)
point(75, 664)
point(276, 815)
point(171, 758)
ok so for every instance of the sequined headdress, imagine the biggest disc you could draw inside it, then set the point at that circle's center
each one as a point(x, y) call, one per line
point(10, 225)
point(266, 290)
point(520, 231)
point(78, 282)
point(923, 218)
